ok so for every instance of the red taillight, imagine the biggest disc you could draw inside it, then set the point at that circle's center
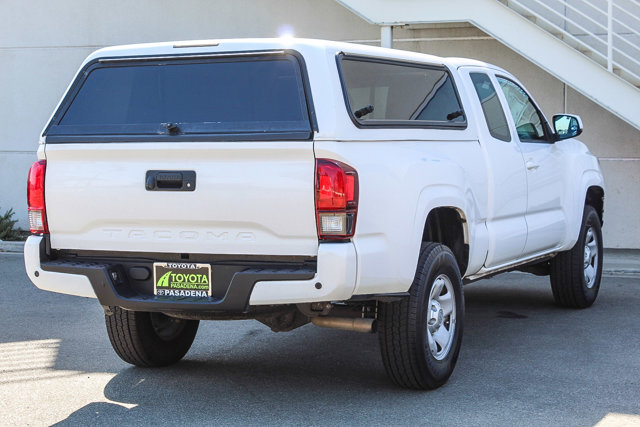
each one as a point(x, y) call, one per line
point(336, 199)
point(35, 198)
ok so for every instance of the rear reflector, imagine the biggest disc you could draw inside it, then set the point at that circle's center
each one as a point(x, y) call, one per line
point(35, 198)
point(333, 223)
point(336, 200)
point(36, 221)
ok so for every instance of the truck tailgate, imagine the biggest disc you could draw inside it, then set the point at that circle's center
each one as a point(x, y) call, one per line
point(250, 198)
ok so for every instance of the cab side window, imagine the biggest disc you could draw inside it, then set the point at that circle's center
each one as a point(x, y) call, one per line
point(528, 121)
point(491, 107)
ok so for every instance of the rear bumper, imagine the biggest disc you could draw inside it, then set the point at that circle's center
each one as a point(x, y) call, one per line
point(333, 278)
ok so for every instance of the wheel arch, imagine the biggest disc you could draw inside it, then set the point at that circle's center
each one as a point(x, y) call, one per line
point(595, 198)
point(448, 225)
point(589, 190)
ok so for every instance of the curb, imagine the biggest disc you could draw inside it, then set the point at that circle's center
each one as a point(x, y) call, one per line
point(620, 272)
point(16, 247)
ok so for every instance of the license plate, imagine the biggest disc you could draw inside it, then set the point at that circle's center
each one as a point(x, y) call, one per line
point(177, 279)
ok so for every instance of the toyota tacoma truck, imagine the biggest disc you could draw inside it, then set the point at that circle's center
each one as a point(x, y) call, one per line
point(305, 181)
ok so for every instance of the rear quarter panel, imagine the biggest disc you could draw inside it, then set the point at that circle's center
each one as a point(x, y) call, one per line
point(403, 173)
point(400, 182)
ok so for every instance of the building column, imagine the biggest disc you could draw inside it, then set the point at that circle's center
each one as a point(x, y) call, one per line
point(386, 36)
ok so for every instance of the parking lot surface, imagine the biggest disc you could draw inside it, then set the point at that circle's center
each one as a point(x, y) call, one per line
point(523, 362)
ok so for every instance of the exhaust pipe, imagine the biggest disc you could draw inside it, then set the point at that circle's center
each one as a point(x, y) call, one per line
point(366, 326)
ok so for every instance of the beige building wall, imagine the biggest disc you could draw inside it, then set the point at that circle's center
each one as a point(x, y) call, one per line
point(42, 43)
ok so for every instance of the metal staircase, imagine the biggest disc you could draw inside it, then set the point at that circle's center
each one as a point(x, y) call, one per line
point(591, 45)
point(606, 31)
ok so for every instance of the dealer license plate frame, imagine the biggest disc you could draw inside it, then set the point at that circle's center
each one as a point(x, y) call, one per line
point(190, 275)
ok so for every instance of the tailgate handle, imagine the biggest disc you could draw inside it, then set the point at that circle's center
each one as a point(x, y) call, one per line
point(170, 180)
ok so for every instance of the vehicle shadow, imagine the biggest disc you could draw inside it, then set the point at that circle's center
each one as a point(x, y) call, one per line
point(523, 358)
point(259, 377)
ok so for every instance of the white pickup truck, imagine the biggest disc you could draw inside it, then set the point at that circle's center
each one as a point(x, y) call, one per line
point(297, 181)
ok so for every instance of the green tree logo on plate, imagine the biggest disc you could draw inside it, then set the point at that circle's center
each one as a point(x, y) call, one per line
point(163, 282)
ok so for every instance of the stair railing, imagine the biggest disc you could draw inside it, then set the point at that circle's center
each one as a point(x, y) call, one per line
point(607, 30)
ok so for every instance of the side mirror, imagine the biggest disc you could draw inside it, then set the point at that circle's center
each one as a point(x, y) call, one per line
point(567, 126)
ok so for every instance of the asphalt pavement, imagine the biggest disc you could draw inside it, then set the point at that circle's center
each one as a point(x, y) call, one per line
point(523, 362)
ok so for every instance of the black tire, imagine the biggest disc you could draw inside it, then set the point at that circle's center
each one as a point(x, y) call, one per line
point(149, 339)
point(571, 283)
point(404, 330)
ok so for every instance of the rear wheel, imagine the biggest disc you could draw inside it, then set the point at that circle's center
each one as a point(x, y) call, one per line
point(420, 336)
point(576, 274)
point(149, 339)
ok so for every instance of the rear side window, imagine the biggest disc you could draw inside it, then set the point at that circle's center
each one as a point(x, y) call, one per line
point(389, 93)
point(256, 96)
point(491, 107)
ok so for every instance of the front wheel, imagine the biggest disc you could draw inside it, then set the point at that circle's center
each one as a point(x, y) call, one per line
point(420, 336)
point(149, 339)
point(575, 274)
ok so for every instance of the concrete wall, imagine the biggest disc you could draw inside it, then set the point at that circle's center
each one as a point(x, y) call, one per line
point(42, 43)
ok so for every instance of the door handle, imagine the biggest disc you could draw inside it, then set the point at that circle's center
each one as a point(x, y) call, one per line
point(170, 180)
point(531, 165)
